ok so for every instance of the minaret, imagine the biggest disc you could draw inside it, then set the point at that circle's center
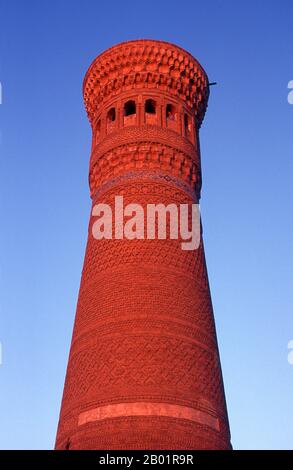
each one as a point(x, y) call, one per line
point(144, 369)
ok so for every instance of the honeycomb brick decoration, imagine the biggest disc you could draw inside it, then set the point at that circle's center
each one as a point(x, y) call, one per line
point(144, 369)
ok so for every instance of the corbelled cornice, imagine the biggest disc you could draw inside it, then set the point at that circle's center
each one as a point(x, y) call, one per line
point(146, 64)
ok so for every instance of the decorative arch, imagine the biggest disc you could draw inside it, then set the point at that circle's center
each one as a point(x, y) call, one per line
point(129, 113)
point(150, 110)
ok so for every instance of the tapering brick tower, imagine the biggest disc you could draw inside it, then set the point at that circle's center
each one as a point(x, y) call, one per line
point(144, 369)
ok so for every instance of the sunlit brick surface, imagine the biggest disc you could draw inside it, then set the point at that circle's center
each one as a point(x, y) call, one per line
point(144, 369)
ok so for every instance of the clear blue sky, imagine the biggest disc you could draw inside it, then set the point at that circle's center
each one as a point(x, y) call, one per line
point(247, 157)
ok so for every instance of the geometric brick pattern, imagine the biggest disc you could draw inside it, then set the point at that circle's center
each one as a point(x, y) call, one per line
point(141, 156)
point(149, 64)
point(144, 369)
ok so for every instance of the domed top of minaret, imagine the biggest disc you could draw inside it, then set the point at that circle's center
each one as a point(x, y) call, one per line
point(146, 64)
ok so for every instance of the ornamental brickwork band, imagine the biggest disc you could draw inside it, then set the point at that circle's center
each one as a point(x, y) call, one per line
point(144, 369)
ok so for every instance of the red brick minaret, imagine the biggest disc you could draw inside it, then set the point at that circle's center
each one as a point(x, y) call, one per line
point(144, 369)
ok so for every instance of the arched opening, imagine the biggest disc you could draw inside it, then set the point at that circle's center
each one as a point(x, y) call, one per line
point(129, 113)
point(171, 116)
point(150, 106)
point(111, 117)
point(67, 446)
point(150, 111)
point(187, 125)
point(129, 108)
